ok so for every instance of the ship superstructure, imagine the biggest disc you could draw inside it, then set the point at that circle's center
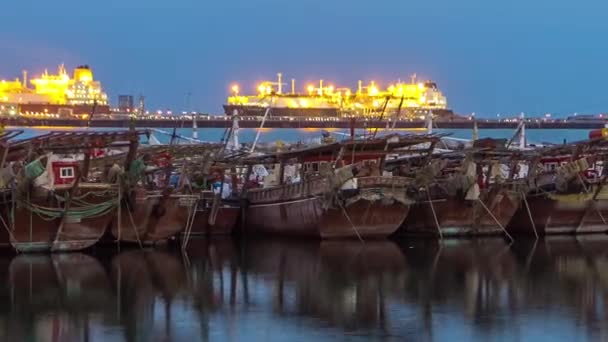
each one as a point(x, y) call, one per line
point(411, 98)
point(55, 93)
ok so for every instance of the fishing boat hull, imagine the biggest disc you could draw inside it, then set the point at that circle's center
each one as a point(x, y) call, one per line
point(5, 230)
point(576, 214)
point(457, 217)
point(311, 217)
point(153, 218)
point(35, 231)
point(222, 223)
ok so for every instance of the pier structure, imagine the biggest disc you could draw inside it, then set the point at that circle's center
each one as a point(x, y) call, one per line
point(222, 121)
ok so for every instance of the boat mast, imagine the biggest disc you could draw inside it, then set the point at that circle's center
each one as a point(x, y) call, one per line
point(522, 131)
point(194, 127)
point(93, 110)
point(235, 131)
point(257, 135)
point(429, 122)
point(475, 130)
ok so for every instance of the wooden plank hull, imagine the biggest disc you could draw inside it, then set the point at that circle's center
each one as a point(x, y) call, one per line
point(225, 221)
point(309, 217)
point(33, 232)
point(552, 216)
point(151, 220)
point(5, 234)
point(459, 217)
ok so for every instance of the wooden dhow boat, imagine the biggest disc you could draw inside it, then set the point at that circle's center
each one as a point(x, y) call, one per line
point(158, 201)
point(466, 193)
point(331, 191)
point(566, 190)
point(6, 174)
point(58, 202)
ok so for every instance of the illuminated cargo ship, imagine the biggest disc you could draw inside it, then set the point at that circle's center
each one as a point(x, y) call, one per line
point(409, 99)
point(54, 94)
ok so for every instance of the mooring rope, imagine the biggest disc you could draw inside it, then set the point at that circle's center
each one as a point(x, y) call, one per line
point(350, 221)
point(428, 195)
point(190, 222)
point(496, 220)
point(530, 215)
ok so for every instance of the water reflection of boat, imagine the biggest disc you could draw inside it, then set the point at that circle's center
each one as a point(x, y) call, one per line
point(66, 288)
point(310, 288)
point(143, 280)
point(57, 276)
point(208, 262)
point(340, 283)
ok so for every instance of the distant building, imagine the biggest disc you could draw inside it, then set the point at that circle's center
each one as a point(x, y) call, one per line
point(125, 103)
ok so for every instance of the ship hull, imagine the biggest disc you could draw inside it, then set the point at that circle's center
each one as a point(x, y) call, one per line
point(310, 217)
point(551, 216)
point(457, 217)
point(297, 112)
point(32, 232)
point(224, 223)
point(313, 112)
point(151, 219)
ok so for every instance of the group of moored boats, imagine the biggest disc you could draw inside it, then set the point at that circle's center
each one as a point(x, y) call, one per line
point(66, 191)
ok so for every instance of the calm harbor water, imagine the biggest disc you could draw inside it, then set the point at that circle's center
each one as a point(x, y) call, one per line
point(555, 136)
point(279, 290)
point(286, 290)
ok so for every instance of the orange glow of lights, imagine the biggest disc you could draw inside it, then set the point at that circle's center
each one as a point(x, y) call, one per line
point(261, 88)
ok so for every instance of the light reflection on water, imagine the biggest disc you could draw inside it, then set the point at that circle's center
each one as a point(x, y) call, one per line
point(282, 290)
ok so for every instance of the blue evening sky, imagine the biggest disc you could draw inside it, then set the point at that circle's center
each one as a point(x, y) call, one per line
point(487, 56)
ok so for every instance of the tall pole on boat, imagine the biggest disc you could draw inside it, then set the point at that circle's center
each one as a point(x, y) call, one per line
point(522, 131)
point(475, 130)
point(398, 114)
point(93, 110)
point(194, 127)
point(235, 130)
point(429, 122)
point(257, 135)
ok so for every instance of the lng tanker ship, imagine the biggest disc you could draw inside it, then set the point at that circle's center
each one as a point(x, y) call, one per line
point(408, 99)
point(54, 95)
